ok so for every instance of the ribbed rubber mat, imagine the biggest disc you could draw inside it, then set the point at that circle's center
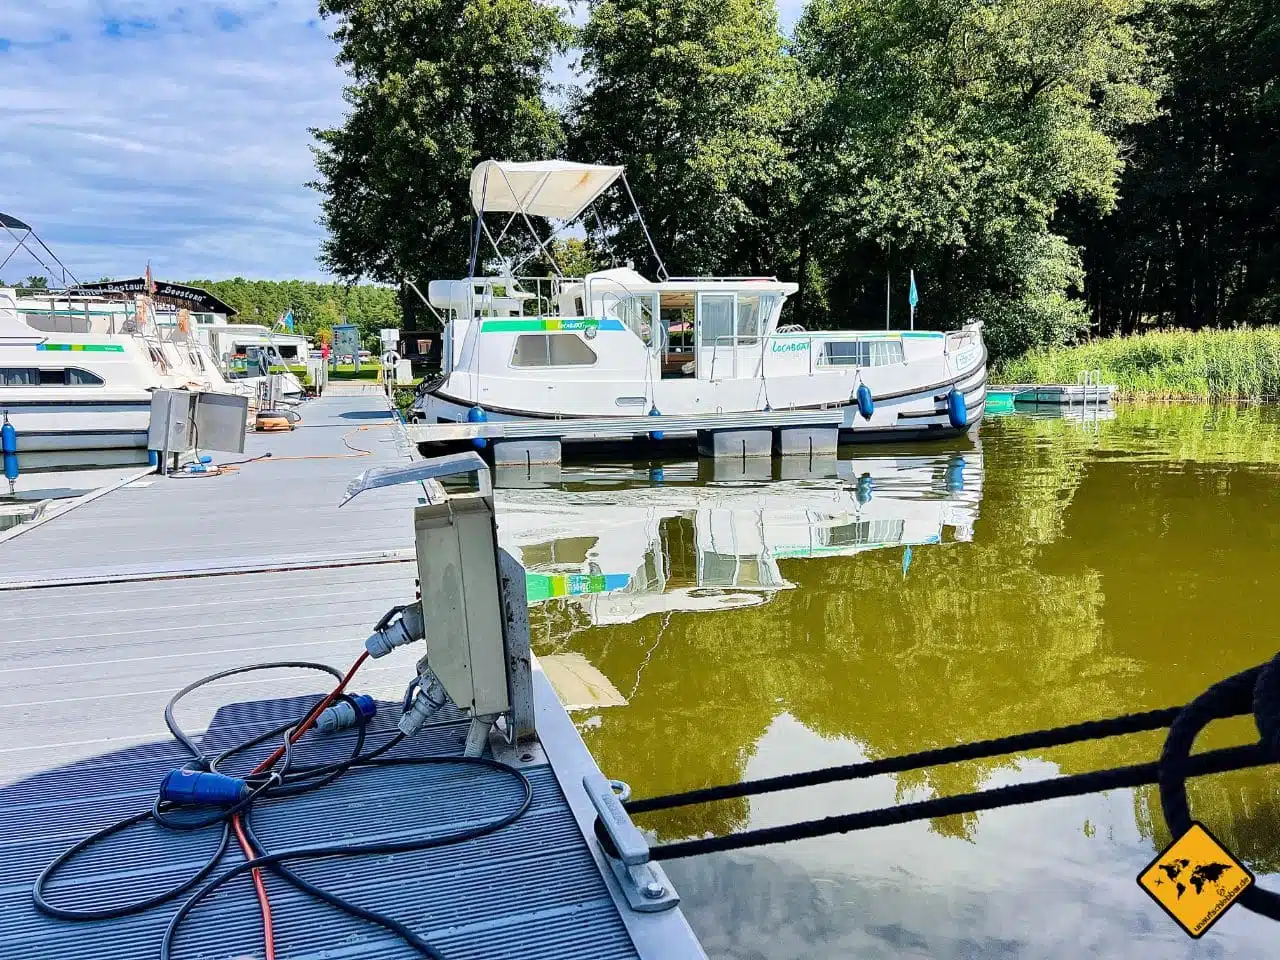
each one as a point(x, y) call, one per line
point(529, 891)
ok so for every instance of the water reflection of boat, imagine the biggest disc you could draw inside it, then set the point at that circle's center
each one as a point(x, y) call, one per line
point(624, 553)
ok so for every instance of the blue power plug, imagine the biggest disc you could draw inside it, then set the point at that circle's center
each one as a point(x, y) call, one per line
point(191, 788)
point(342, 715)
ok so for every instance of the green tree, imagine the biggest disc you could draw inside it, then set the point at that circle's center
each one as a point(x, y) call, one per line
point(1195, 239)
point(950, 131)
point(314, 305)
point(693, 96)
point(436, 86)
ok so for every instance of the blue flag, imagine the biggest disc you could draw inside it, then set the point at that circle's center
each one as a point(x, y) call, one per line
point(913, 297)
point(286, 321)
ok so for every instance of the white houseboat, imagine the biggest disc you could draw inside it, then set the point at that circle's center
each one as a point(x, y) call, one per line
point(77, 372)
point(615, 343)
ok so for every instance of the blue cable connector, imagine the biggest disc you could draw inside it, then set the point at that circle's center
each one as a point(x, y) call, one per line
point(191, 788)
point(342, 715)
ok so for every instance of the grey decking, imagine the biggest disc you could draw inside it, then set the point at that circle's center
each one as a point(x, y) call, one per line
point(108, 609)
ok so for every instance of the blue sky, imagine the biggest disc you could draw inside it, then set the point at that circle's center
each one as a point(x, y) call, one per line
point(136, 130)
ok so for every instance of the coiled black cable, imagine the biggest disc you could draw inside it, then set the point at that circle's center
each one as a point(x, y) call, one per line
point(285, 779)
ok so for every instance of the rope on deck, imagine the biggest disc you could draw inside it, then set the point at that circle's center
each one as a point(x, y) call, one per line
point(1255, 691)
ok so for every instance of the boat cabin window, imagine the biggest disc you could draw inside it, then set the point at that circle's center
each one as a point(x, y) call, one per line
point(637, 311)
point(861, 353)
point(35, 377)
point(754, 309)
point(551, 350)
point(19, 377)
point(729, 319)
point(58, 323)
point(715, 319)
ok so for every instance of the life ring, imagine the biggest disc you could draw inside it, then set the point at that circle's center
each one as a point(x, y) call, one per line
point(390, 358)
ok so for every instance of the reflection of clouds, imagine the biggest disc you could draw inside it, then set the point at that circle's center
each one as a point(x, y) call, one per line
point(1035, 884)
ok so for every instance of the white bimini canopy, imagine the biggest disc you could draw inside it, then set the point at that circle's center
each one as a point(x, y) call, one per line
point(542, 188)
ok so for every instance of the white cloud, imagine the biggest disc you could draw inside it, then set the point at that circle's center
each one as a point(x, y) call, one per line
point(136, 129)
point(129, 132)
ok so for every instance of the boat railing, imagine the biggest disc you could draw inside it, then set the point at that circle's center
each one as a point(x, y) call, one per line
point(718, 279)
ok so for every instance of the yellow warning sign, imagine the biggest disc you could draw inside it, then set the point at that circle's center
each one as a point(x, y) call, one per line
point(1195, 880)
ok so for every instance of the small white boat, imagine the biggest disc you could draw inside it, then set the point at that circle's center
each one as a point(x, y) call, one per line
point(77, 372)
point(615, 343)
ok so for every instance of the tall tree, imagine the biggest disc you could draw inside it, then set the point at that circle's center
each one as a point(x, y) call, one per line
point(1195, 240)
point(693, 96)
point(949, 131)
point(436, 86)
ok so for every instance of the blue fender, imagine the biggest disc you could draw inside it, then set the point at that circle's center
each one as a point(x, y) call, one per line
point(866, 405)
point(8, 438)
point(477, 415)
point(655, 434)
point(956, 412)
point(862, 493)
point(11, 466)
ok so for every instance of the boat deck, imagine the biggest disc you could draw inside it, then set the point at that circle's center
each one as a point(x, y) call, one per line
point(107, 609)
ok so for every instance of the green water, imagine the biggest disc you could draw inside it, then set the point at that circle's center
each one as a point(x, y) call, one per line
point(1058, 571)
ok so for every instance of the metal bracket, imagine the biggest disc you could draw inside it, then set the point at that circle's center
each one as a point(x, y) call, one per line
point(419, 471)
point(644, 883)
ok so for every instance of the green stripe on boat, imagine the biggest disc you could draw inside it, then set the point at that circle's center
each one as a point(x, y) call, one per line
point(83, 347)
point(549, 324)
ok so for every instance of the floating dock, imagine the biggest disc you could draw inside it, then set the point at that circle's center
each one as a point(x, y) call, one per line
point(735, 437)
point(1087, 391)
point(108, 608)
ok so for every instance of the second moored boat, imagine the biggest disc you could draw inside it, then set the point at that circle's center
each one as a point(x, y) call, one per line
point(616, 344)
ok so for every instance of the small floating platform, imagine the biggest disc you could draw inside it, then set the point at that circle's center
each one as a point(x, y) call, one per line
point(1006, 396)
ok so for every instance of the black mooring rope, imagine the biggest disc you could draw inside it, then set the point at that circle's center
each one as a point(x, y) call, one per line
point(1256, 690)
point(1036, 740)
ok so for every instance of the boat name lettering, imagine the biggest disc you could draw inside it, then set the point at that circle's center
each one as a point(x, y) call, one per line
point(795, 346)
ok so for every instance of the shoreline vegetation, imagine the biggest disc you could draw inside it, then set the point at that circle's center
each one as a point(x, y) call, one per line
point(1241, 364)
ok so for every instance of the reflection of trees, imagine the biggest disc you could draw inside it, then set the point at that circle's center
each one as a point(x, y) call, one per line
point(1091, 588)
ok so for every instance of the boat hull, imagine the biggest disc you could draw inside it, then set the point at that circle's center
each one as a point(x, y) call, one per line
point(915, 414)
point(45, 426)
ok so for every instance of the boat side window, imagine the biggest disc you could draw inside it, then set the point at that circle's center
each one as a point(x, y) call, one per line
point(82, 378)
point(19, 377)
point(35, 377)
point(634, 310)
point(715, 319)
point(551, 350)
point(861, 353)
point(753, 310)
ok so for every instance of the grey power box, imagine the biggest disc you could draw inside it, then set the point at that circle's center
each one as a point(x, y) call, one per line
point(173, 417)
point(221, 419)
point(461, 604)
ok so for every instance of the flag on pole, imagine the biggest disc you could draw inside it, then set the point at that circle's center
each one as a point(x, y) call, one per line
point(914, 296)
point(285, 320)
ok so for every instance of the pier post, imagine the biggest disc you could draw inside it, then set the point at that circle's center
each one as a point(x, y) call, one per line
point(807, 441)
point(525, 453)
point(743, 444)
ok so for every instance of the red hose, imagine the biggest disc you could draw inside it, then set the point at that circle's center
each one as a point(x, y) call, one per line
point(268, 935)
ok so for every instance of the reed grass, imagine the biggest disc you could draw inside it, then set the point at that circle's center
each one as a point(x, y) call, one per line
point(1237, 364)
